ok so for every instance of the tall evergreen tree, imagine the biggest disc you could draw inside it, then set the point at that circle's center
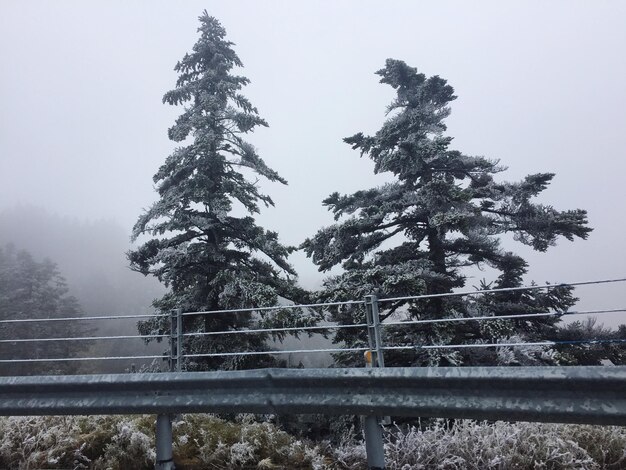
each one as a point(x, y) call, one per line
point(443, 213)
point(206, 245)
point(30, 289)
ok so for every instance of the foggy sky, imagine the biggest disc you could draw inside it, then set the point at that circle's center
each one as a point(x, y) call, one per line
point(541, 86)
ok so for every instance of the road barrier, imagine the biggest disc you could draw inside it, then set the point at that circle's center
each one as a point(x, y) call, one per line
point(592, 395)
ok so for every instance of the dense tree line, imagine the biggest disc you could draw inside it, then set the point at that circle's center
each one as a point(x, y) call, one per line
point(31, 289)
point(90, 256)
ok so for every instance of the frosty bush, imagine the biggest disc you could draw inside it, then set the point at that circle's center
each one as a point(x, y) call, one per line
point(41, 442)
point(207, 442)
point(210, 442)
point(498, 446)
point(121, 443)
point(132, 446)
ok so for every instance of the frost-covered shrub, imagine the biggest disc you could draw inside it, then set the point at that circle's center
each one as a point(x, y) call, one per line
point(207, 442)
point(77, 442)
point(351, 453)
point(125, 442)
point(524, 356)
point(41, 442)
point(498, 446)
point(131, 446)
point(210, 442)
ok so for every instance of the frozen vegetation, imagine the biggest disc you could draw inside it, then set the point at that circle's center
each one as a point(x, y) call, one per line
point(208, 442)
point(441, 213)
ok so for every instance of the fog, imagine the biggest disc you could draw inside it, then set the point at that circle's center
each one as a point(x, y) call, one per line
point(82, 127)
point(91, 257)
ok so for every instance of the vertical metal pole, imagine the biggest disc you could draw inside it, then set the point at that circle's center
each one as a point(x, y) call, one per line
point(370, 329)
point(175, 341)
point(164, 438)
point(373, 329)
point(164, 453)
point(172, 364)
point(179, 339)
point(374, 444)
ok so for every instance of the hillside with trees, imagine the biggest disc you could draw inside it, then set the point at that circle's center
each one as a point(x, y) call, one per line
point(35, 289)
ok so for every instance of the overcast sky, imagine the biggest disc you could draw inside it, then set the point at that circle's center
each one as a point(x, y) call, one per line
point(541, 86)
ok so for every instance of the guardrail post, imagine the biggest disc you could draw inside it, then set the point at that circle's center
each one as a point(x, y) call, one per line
point(164, 452)
point(374, 443)
point(372, 317)
point(176, 340)
point(164, 439)
point(372, 428)
point(179, 339)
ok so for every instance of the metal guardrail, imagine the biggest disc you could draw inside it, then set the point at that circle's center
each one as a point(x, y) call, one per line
point(374, 326)
point(586, 394)
point(593, 395)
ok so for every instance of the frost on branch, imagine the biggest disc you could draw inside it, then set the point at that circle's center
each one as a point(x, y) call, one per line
point(200, 239)
point(443, 212)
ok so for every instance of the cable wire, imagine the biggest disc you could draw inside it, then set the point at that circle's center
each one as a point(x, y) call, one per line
point(276, 307)
point(257, 353)
point(107, 317)
point(501, 345)
point(504, 289)
point(83, 338)
point(501, 317)
point(272, 330)
point(72, 359)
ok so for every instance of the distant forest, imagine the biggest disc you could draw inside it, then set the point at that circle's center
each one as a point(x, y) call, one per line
point(91, 258)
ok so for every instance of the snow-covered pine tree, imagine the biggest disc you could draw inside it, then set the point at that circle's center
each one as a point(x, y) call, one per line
point(443, 213)
point(33, 289)
point(206, 246)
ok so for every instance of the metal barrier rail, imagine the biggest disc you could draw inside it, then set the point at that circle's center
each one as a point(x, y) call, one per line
point(276, 330)
point(502, 289)
point(503, 317)
point(276, 307)
point(77, 359)
point(311, 328)
point(374, 327)
point(502, 345)
point(100, 317)
point(593, 395)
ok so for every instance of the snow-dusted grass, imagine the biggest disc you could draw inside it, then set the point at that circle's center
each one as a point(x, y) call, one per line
point(207, 442)
point(204, 441)
point(126, 442)
point(471, 445)
point(95, 442)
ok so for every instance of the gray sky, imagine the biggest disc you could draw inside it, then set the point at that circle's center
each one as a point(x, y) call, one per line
point(541, 86)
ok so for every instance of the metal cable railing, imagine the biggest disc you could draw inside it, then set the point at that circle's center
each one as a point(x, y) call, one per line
point(81, 338)
point(502, 289)
point(288, 351)
point(501, 317)
point(502, 345)
point(104, 317)
point(275, 330)
point(73, 359)
point(373, 326)
point(275, 307)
